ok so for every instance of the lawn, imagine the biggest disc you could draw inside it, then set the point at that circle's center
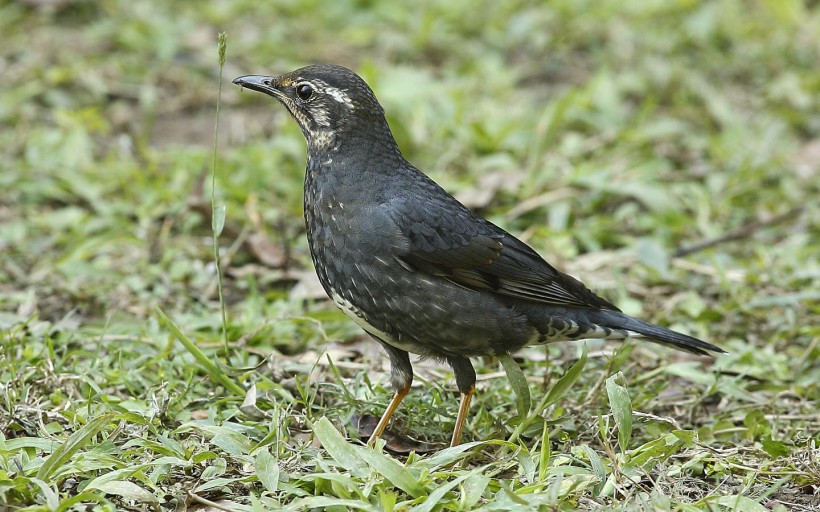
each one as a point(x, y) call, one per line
point(667, 153)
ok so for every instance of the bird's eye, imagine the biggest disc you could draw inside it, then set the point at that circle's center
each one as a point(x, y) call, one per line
point(304, 91)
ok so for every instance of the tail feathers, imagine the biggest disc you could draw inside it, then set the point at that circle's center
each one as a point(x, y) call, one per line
point(655, 333)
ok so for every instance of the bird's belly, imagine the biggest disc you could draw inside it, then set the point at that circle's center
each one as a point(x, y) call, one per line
point(358, 317)
point(425, 314)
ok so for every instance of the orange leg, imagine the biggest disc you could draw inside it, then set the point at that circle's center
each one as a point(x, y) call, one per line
point(388, 413)
point(463, 411)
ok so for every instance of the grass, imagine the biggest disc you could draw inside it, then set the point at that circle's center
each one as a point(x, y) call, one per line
point(664, 152)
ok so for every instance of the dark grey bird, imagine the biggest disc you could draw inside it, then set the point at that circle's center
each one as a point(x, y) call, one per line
point(413, 266)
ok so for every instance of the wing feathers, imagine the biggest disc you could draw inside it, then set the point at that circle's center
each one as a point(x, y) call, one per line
point(476, 254)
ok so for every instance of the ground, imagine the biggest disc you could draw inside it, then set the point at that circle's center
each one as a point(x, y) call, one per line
point(666, 153)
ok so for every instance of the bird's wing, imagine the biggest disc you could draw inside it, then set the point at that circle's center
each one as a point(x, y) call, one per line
point(443, 238)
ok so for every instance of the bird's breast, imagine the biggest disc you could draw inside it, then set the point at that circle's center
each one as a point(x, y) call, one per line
point(338, 244)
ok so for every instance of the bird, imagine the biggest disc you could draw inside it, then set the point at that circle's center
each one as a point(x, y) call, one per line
point(410, 264)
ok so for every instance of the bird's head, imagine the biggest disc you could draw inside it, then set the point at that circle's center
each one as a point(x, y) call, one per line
point(331, 104)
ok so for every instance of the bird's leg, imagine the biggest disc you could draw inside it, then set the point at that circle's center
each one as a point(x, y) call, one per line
point(401, 376)
point(465, 380)
point(388, 413)
point(463, 411)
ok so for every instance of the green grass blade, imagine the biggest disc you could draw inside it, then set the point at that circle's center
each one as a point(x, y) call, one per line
point(565, 382)
point(339, 448)
point(267, 470)
point(436, 496)
point(218, 212)
point(74, 442)
point(518, 381)
point(391, 470)
point(352, 457)
point(205, 362)
point(558, 390)
point(546, 453)
point(621, 407)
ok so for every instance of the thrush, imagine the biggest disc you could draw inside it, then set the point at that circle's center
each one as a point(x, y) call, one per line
point(410, 264)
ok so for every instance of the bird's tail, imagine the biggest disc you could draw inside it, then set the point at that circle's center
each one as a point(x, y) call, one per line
point(655, 333)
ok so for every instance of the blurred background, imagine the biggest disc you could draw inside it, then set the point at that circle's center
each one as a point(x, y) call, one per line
point(665, 152)
point(641, 128)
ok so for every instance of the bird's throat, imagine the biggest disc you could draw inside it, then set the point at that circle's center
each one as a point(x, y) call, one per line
point(320, 143)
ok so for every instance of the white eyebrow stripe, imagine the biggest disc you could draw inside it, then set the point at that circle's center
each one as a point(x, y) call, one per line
point(339, 95)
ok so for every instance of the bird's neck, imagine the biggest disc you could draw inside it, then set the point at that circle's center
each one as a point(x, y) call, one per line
point(361, 151)
point(344, 171)
point(320, 142)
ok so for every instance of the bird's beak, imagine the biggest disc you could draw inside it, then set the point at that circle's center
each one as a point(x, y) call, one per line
point(264, 84)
